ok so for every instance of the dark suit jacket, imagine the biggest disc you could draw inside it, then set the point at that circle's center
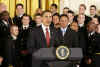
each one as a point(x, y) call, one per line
point(4, 32)
point(70, 38)
point(83, 39)
point(23, 36)
point(37, 38)
point(36, 41)
point(11, 50)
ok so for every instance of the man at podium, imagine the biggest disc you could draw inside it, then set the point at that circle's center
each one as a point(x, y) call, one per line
point(42, 37)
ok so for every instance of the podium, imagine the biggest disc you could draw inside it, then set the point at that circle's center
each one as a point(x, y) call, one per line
point(49, 54)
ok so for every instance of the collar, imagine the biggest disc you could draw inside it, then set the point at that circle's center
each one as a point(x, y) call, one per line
point(5, 22)
point(14, 37)
point(64, 29)
point(25, 26)
point(44, 27)
point(92, 15)
point(81, 25)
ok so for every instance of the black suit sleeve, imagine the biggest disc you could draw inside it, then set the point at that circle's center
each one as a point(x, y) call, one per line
point(31, 42)
point(75, 39)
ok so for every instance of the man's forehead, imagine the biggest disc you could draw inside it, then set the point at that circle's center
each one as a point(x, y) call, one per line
point(19, 6)
point(47, 13)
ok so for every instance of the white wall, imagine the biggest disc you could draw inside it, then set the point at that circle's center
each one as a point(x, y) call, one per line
point(74, 4)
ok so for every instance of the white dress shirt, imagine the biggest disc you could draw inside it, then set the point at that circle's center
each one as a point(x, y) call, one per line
point(14, 37)
point(5, 22)
point(25, 26)
point(63, 30)
point(44, 29)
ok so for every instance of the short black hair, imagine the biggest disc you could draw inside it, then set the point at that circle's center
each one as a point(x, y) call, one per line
point(63, 15)
point(66, 8)
point(37, 14)
point(56, 14)
point(45, 12)
point(26, 15)
point(93, 6)
point(70, 11)
point(4, 13)
point(19, 4)
point(55, 5)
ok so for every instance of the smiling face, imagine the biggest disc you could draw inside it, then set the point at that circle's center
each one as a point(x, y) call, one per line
point(14, 30)
point(55, 19)
point(82, 9)
point(19, 10)
point(64, 21)
point(25, 20)
point(92, 10)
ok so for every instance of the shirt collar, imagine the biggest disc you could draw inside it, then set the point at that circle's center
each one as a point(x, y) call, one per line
point(5, 22)
point(64, 29)
point(44, 27)
point(25, 26)
point(14, 37)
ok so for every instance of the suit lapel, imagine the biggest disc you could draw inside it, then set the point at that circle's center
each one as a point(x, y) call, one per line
point(42, 37)
point(51, 36)
point(67, 31)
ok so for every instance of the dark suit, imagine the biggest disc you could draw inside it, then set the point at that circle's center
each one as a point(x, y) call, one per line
point(83, 38)
point(83, 41)
point(4, 32)
point(17, 20)
point(70, 38)
point(37, 40)
point(12, 55)
point(23, 36)
point(95, 48)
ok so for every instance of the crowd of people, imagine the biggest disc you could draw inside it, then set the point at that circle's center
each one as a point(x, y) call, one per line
point(22, 35)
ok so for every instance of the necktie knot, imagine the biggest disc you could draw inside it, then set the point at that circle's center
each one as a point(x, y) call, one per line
point(46, 29)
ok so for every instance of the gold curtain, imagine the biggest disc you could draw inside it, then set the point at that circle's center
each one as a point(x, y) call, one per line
point(47, 3)
point(30, 6)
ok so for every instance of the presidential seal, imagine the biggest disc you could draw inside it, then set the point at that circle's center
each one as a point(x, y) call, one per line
point(62, 52)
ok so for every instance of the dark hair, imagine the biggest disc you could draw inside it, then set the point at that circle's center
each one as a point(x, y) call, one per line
point(93, 6)
point(70, 11)
point(25, 15)
point(95, 17)
point(19, 4)
point(55, 5)
point(63, 15)
point(66, 8)
point(45, 12)
point(56, 14)
point(13, 25)
point(37, 14)
point(4, 13)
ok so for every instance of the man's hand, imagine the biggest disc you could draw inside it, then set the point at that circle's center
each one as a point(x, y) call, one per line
point(1, 60)
point(89, 61)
